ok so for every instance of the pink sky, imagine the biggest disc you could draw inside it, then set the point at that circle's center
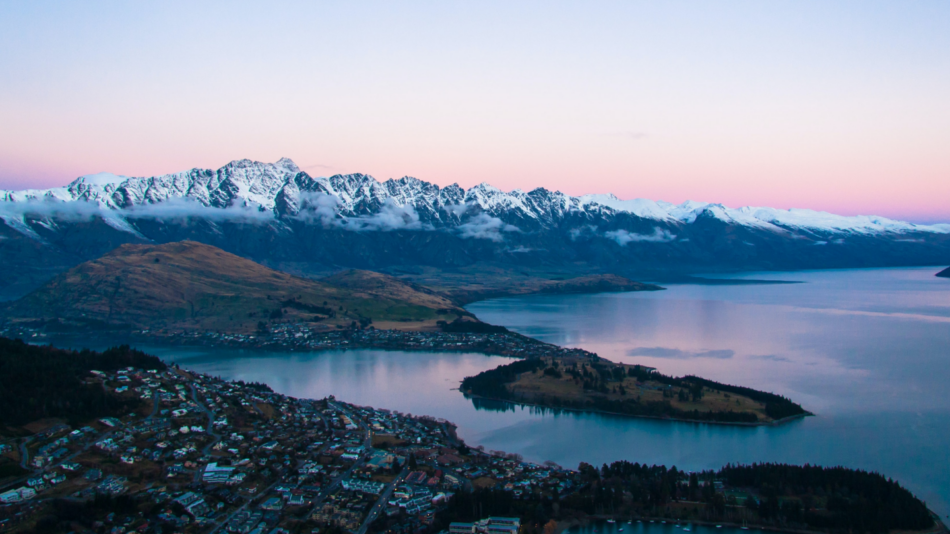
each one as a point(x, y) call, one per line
point(839, 108)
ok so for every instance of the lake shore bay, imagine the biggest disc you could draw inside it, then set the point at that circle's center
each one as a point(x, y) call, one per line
point(131, 389)
point(546, 375)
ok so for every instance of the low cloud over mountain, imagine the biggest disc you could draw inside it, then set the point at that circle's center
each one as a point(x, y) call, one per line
point(274, 212)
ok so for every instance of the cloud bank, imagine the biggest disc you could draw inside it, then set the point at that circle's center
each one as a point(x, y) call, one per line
point(484, 226)
point(323, 208)
point(183, 209)
point(622, 237)
point(313, 208)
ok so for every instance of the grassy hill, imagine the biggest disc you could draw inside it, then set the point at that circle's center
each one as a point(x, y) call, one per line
point(189, 285)
point(378, 285)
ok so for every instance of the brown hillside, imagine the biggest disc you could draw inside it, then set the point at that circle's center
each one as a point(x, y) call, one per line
point(192, 285)
point(499, 286)
point(383, 285)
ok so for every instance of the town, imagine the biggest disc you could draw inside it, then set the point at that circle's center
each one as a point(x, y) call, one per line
point(119, 441)
point(206, 455)
point(303, 337)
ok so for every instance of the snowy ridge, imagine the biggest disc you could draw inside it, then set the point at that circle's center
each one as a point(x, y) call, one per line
point(279, 190)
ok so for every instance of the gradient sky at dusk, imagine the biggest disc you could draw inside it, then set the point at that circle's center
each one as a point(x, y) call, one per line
point(838, 106)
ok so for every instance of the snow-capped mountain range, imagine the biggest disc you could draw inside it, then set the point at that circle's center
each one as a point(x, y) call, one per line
point(278, 215)
point(282, 189)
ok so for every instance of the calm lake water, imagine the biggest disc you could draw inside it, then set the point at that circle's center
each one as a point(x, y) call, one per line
point(657, 527)
point(868, 351)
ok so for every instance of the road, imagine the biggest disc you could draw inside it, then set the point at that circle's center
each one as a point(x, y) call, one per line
point(382, 501)
point(330, 488)
point(228, 518)
point(206, 450)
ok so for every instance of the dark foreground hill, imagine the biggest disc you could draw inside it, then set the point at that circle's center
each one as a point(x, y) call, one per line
point(45, 382)
point(944, 273)
point(195, 286)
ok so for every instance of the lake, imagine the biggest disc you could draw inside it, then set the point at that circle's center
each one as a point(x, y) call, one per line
point(868, 351)
point(656, 527)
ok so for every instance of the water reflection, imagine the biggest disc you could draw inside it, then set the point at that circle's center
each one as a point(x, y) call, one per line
point(868, 351)
point(844, 341)
point(656, 527)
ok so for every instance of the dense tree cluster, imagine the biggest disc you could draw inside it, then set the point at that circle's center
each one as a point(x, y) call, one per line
point(259, 386)
point(38, 382)
point(492, 383)
point(460, 326)
point(854, 499)
point(795, 497)
point(534, 511)
point(776, 406)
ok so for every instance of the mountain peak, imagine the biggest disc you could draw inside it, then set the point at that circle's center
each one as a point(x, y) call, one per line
point(288, 164)
point(101, 179)
point(279, 188)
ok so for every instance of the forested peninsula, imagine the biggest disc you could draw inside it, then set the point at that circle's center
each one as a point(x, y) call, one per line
point(594, 384)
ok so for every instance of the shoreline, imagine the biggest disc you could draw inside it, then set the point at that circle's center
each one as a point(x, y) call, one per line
point(938, 528)
point(202, 342)
point(208, 383)
point(777, 422)
point(172, 342)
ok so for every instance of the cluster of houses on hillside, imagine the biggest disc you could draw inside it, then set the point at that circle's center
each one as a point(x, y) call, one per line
point(303, 337)
point(209, 454)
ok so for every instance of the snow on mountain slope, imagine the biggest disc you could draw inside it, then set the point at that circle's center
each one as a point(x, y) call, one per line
point(766, 218)
point(641, 207)
point(281, 189)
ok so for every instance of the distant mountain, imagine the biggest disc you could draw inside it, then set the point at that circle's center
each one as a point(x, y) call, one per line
point(276, 214)
point(944, 273)
point(191, 285)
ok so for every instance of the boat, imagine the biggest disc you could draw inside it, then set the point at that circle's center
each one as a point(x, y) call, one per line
point(611, 521)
